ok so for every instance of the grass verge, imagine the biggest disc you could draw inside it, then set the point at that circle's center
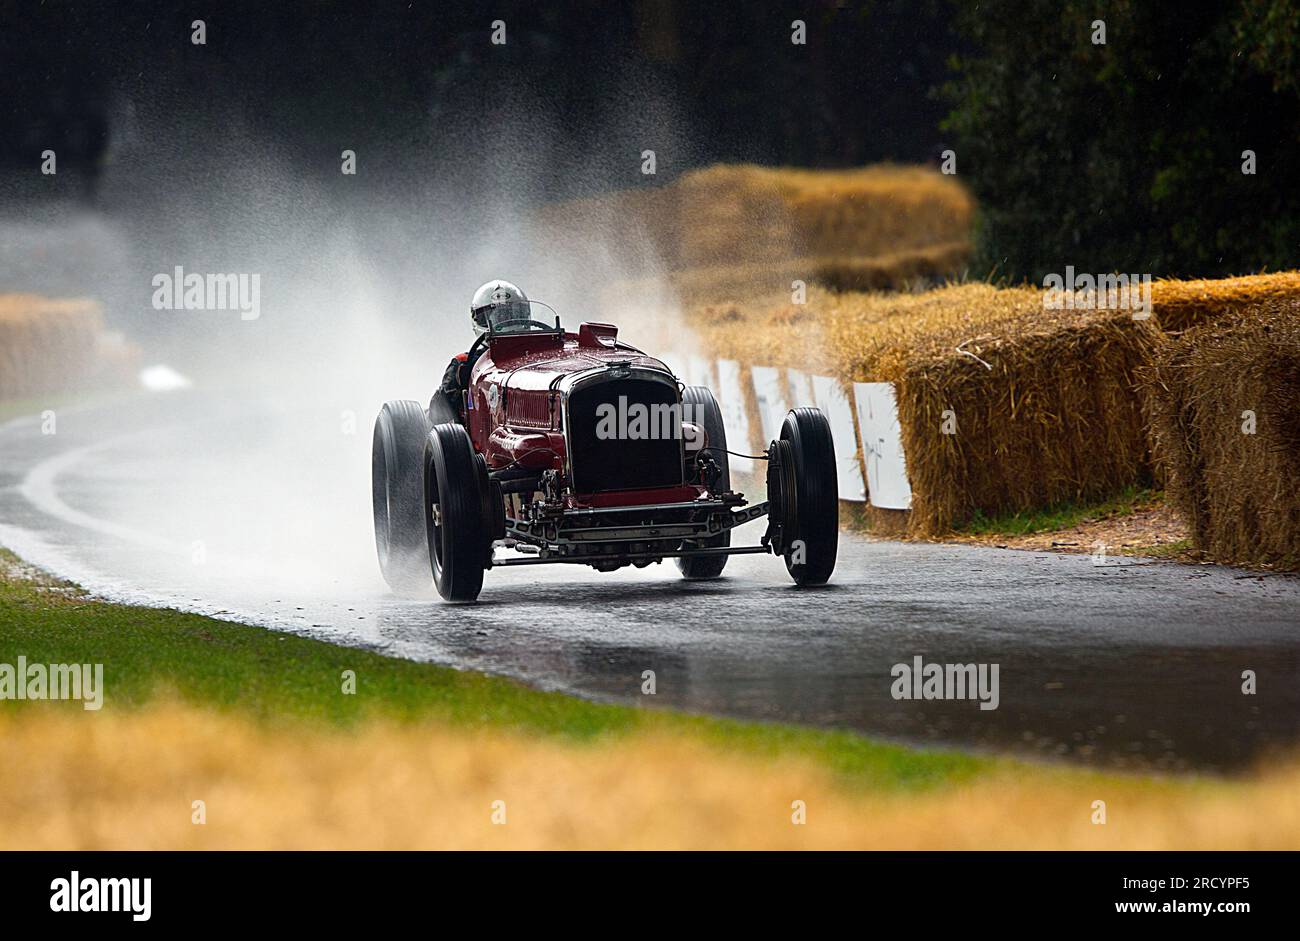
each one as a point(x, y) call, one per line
point(1060, 516)
point(1137, 522)
point(152, 654)
point(220, 736)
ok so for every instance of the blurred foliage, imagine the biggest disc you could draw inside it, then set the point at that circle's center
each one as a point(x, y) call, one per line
point(1270, 30)
point(1127, 156)
point(1118, 156)
point(580, 83)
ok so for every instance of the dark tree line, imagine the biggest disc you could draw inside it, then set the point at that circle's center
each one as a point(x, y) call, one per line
point(1123, 156)
point(1128, 156)
point(576, 81)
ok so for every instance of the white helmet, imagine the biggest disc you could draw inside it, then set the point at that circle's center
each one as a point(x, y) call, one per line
point(497, 303)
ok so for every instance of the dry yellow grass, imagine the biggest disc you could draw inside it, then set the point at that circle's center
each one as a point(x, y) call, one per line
point(46, 344)
point(127, 780)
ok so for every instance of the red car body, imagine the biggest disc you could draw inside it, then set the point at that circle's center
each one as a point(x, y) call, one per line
point(515, 406)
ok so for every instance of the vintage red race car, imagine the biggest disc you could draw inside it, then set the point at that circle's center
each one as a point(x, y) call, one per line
point(578, 448)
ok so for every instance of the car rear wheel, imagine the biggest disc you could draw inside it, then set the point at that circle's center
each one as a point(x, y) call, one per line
point(701, 408)
point(458, 515)
point(397, 492)
point(811, 530)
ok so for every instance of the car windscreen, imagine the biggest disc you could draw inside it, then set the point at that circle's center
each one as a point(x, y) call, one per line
point(523, 317)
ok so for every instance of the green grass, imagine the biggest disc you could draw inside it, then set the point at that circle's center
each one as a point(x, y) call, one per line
point(276, 677)
point(1060, 516)
point(1165, 550)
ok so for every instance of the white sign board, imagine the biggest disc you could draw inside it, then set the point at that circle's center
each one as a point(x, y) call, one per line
point(882, 445)
point(731, 398)
point(801, 390)
point(698, 372)
point(770, 391)
point(830, 398)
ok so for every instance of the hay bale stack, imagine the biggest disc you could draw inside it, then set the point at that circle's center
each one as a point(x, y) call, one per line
point(875, 210)
point(731, 215)
point(1239, 492)
point(46, 344)
point(898, 270)
point(927, 266)
point(730, 222)
point(766, 331)
point(1181, 305)
point(1056, 417)
point(1043, 401)
point(759, 214)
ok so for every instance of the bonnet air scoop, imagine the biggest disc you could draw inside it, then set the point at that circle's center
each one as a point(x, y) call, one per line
point(598, 335)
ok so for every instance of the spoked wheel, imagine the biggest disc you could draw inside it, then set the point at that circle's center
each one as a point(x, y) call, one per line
point(803, 491)
point(700, 407)
point(397, 496)
point(460, 519)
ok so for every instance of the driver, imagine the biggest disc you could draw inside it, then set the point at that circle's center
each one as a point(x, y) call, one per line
point(494, 305)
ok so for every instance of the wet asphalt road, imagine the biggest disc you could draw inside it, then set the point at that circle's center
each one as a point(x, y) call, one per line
point(260, 513)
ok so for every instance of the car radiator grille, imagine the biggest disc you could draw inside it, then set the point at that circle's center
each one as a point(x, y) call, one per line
point(645, 449)
point(528, 408)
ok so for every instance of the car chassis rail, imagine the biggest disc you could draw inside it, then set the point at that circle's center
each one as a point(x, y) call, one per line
point(556, 542)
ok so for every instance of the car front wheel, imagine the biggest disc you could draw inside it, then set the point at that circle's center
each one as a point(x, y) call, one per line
point(457, 513)
point(811, 511)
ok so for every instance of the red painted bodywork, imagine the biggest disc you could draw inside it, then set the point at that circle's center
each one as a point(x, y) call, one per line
point(514, 412)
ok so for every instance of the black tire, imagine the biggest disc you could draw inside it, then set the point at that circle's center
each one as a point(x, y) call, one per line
point(397, 496)
point(459, 535)
point(815, 534)
point(703, 408)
